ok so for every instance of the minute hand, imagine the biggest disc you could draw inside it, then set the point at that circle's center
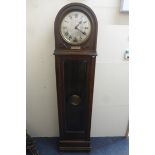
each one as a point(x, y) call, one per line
point(84, 33)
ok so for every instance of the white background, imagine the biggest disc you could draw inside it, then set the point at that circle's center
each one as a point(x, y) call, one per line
point(110, 104)
point(12, 66)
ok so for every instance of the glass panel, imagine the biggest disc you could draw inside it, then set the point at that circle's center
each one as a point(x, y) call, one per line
point(75, 79)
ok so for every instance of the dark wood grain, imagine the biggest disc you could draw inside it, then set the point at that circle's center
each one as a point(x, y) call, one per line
point(75, 69)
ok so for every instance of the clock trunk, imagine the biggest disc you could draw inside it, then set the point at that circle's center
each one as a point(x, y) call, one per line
point(76, 81)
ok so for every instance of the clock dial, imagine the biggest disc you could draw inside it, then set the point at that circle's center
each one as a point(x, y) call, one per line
point(75, 28)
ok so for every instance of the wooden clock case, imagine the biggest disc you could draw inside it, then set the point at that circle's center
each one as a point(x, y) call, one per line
point(75, 68)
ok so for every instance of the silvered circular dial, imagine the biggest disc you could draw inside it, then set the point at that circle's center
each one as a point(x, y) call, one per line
point(75, 28)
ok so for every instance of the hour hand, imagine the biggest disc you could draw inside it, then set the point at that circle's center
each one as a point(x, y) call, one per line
point(76, 27)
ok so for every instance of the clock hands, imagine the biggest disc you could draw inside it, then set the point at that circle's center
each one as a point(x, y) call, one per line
point(76, 27)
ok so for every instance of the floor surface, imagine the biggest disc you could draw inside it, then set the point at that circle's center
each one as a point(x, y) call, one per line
point(100, 146)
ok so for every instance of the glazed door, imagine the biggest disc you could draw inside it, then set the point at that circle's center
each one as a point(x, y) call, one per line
point(75, 96)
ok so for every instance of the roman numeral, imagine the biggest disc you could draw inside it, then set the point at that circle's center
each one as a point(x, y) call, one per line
point(75, 39)
point(66, 33)
point(70, 37)
point(76, 15)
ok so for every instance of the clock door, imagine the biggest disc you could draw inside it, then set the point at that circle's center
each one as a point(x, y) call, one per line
point(75, 96)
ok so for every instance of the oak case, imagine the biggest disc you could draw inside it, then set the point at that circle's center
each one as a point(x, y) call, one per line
point(75, 70)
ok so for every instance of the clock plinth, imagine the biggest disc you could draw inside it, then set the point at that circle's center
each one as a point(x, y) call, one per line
point(75, 68)
point(74, 145)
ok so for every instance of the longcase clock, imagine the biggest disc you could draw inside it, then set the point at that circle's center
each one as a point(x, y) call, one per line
point(75, 56)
